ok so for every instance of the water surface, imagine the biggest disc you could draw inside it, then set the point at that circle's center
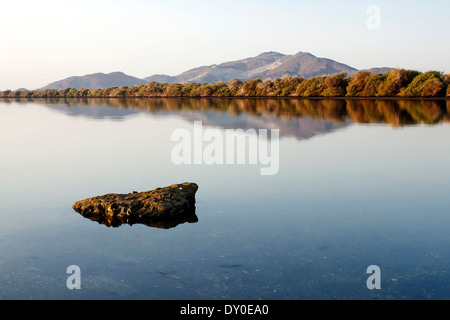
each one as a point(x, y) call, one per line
point(361, 182)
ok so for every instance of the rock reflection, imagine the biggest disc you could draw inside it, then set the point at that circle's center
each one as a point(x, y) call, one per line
point(161, 223)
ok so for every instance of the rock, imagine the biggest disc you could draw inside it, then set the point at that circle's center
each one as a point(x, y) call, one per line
point(163, 207)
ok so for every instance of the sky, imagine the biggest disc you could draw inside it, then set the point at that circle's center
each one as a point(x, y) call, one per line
point(49, 40)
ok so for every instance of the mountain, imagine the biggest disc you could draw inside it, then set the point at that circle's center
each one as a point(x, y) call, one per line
point(268, 65)
point(379, 70)
point(96, 80)
point(161, 78)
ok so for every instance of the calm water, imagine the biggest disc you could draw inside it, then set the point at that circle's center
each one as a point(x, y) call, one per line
point(360, 183)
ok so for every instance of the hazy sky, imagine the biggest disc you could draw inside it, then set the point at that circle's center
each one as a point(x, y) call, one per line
point(48, 40)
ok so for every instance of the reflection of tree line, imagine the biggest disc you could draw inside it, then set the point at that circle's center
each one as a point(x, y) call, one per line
point(394, 111)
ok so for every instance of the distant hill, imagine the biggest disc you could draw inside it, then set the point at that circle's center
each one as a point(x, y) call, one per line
point(268, 65)
point(161, 78)
point(96, 80)
point(379, 70)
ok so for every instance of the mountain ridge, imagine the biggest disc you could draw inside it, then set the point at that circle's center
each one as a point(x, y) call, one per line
point(266, 66)
point(95, 81)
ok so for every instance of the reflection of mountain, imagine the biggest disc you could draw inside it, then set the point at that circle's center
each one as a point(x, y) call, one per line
point(223, 115)
point(300, 118)
point(96, 111)
point(300, 128)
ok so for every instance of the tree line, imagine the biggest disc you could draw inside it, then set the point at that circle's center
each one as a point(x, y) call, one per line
point(396, 83)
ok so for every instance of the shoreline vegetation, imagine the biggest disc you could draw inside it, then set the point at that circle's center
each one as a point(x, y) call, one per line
point(398, 83)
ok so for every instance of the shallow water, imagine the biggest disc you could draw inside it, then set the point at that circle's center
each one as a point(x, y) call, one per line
point(360, 183)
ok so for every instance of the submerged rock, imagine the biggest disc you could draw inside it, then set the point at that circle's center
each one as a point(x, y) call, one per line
point(163, 207)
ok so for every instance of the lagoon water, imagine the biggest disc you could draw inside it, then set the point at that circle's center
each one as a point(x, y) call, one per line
point(360, 183)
